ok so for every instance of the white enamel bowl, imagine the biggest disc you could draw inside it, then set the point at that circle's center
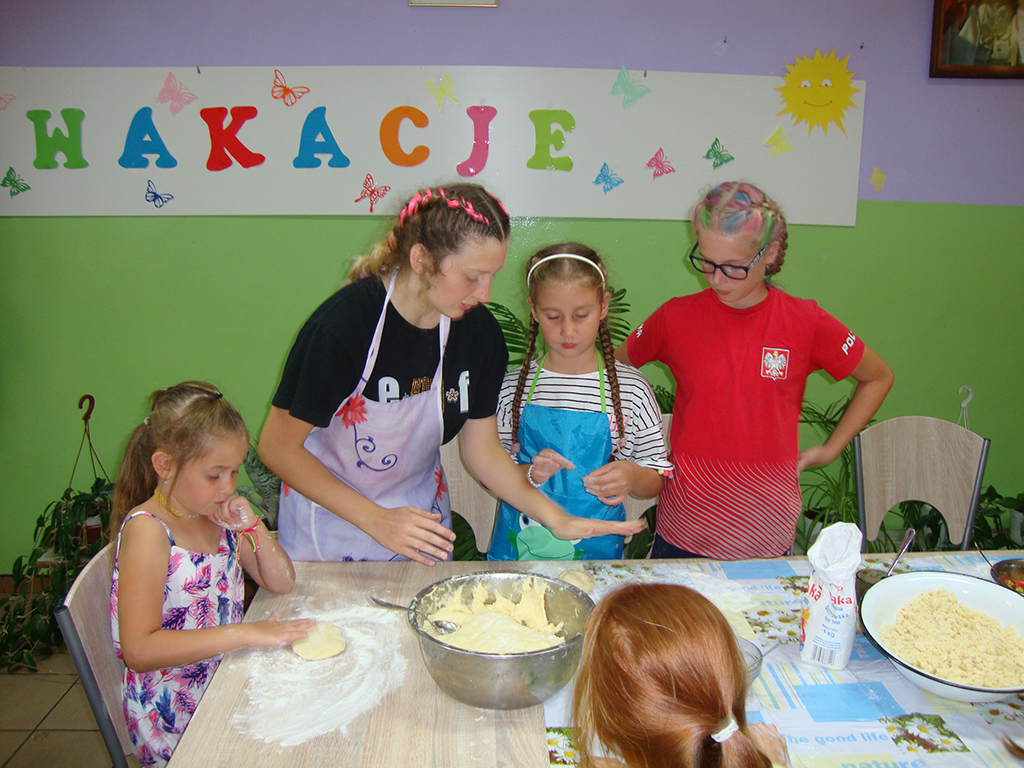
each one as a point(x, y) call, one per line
point(884, 600)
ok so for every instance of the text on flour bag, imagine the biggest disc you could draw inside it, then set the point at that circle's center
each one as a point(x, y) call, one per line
point(828, 623)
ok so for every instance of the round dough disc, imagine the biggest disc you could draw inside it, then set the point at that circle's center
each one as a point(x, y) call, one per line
point(581, 579)
point(324, 642)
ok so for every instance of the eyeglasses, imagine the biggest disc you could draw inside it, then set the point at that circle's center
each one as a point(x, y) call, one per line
point(732, 271)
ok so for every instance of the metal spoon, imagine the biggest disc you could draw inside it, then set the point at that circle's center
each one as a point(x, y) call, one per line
point(978, 547)
point(908, 539)
point(442, 626)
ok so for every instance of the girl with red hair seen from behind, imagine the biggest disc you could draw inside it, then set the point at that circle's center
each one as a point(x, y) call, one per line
point(662, 683)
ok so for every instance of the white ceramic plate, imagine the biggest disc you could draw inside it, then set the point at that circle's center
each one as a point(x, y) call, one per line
point(884, 599)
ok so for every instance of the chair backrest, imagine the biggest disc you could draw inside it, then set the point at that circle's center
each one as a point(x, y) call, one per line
point(468, 497)
point(919, 458)
point(84, 620)
point(636, 507)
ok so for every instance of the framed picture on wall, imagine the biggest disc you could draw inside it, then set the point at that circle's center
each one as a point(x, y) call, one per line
point(472, 3)
point(978, 38)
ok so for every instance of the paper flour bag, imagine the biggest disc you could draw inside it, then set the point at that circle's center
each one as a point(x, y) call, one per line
point(829, 620)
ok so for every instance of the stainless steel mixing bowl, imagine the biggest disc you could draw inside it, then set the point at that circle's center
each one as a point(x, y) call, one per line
point(503, 680)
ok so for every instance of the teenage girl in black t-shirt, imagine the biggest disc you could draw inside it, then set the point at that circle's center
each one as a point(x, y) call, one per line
point(372, 385)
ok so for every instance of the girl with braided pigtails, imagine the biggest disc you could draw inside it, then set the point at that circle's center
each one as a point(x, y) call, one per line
point(384, 372)
point(741, 352)
point(584, 428)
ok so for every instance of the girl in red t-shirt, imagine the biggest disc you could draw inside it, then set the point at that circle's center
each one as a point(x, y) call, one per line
point(741, 352)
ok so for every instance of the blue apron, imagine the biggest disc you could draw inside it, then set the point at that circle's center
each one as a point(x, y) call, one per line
point(585, 439)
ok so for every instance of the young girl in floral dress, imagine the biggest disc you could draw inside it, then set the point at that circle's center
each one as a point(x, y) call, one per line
point(183, 540)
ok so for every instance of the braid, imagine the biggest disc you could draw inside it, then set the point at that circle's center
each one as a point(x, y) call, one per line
point(524, 373)
point(442, 220)
point(741, 209)
point(779, 232)
point(608, 354)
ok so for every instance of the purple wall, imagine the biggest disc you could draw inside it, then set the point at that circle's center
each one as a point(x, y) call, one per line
point(939, 140)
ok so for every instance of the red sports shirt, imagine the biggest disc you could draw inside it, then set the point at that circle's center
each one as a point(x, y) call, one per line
point(740, 377)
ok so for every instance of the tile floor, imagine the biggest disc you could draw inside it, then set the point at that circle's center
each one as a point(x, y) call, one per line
point(45, 720)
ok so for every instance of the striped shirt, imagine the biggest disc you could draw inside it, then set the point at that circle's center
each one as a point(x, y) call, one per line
point(645, 443)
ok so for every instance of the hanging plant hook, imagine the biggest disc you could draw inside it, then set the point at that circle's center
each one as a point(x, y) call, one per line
point(92, 404)
point(970, 395)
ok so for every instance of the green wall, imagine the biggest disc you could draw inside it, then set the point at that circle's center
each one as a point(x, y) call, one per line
point(117, 307)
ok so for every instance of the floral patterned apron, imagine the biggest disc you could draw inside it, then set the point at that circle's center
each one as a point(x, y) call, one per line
point(388, 452)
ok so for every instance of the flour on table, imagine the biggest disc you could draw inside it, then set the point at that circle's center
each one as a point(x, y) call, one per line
point(292, 700)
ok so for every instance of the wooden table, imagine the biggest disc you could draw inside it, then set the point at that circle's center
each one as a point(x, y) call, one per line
point(414, 725)
point(867, 714)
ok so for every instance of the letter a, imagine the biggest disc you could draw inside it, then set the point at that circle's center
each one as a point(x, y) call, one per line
point(48, 146)
point(143, 139)
point(310, 146)
point(224, 140)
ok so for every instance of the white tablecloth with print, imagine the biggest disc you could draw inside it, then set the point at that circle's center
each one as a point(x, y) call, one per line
point(867, 715)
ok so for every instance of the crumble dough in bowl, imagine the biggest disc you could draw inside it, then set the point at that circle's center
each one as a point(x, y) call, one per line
point(951, 634)
point(519, 638)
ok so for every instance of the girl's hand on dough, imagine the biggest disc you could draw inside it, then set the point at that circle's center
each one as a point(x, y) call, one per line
point(271, 633)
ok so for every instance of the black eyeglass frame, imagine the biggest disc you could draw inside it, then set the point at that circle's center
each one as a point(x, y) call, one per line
point(699, 262)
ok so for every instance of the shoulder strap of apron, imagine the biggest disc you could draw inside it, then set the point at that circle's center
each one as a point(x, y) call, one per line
point(600, 380)
point(371, 355)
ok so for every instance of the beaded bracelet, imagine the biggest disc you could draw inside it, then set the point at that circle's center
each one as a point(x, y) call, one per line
point(529, 477)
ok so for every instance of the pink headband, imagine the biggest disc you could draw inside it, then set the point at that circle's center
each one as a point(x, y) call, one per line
point(413, 206)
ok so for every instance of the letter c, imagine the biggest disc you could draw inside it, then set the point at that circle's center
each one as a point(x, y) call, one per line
point(389, 136)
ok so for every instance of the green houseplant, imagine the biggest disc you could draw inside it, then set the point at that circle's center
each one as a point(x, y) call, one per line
point(68, 533)
point(829, 492)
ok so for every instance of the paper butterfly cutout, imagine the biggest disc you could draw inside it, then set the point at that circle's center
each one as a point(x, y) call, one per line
point(630, 88)
point(15, 182)
point(376, 194)
point(660, 165)
point(777, 141)
point(175, 92)
point(5, 99)
point(442, 89)
point(718, 155)
point(154, 197)
point(877, 179)
point(608, 178)
point(282, 91)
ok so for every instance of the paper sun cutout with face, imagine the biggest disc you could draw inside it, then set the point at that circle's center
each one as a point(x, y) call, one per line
point(818, 91)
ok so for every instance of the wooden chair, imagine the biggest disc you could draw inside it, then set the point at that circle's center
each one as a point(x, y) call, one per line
point(84, 619)
point(468, 497)
point(919, 458)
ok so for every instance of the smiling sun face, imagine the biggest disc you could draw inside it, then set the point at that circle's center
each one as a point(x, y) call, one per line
point(818, 91)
